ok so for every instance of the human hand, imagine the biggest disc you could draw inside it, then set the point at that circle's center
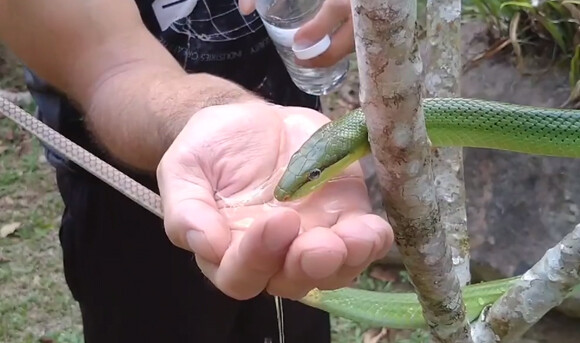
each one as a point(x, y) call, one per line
point(217, 181)
point(334, 19)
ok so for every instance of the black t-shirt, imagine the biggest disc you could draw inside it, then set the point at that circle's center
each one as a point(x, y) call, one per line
point(209, 36)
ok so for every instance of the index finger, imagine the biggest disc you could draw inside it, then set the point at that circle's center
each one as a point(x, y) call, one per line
point(192, 220)
point(256, 254)
point(247, 6)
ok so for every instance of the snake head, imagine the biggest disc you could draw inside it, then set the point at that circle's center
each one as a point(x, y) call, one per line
point(301, 178)
point(324, 155)
point(314, 165)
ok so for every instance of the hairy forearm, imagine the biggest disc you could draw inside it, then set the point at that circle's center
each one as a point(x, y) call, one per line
point(133, 94)
point(137, 113)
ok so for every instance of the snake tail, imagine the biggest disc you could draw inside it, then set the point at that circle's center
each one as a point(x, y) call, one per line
point(398, 310)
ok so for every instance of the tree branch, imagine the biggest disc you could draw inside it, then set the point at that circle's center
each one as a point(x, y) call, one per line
point(390, 71)
point(540, 289)
point(442, 80)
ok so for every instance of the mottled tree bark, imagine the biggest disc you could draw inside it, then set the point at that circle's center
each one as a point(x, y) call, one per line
point(390, 71)
point(540, 289)
point(442, 78)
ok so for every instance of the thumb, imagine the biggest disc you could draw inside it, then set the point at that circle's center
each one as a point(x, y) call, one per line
point(329, 17)
point(247, 6)
point(256, 256)
point(333, 19)
point(191, 218)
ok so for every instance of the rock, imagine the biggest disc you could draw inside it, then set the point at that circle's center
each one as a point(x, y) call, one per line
point(553, 328)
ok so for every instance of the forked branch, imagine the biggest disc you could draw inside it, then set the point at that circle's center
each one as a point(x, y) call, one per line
point(539, 290)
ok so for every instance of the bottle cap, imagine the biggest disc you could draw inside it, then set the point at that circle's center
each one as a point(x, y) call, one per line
point(313, 50)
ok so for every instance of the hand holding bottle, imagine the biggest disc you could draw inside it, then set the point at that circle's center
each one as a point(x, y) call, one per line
point(313, 37)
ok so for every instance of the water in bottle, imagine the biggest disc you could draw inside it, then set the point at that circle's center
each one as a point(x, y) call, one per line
point(282, 19)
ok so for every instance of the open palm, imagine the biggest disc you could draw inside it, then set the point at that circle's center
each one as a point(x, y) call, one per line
point(217, 182)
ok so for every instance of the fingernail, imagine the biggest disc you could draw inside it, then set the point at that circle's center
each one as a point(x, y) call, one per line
point(275, 241)
point(320, 264)
point(359, 250)
point(280, 231)
point(376, 223)
point(196, 239)
point(245, 7)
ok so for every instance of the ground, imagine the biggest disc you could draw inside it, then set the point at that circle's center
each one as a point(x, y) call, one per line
point(34, 301)
point(35, 304)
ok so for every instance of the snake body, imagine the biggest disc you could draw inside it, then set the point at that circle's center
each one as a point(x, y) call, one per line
point(399, 310)
point(449, 122)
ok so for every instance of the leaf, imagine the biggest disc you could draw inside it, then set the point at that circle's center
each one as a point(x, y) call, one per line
point(9, 229)
point(523, 4)
point(554, 30)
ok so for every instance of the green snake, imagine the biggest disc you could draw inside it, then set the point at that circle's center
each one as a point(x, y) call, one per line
point(449, 122)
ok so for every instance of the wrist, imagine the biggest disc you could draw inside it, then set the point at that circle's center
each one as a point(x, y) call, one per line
point(137, 112)
point(172, 102)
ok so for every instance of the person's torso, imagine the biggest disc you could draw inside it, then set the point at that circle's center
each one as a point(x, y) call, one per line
point(214, 37)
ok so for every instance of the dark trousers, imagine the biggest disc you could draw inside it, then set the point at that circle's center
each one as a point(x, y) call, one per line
point(133, 285)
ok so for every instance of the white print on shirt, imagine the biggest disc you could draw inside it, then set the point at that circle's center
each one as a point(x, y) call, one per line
point(212, 21)
point(169, 11)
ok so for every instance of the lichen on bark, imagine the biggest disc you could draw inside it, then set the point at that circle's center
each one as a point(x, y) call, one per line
point(390, 71)
point(442, 80)
point(539, 290)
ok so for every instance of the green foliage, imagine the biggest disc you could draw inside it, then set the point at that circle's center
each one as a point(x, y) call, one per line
point(552, 24)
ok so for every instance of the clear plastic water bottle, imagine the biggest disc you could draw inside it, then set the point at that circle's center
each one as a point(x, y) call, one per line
point(282, 19)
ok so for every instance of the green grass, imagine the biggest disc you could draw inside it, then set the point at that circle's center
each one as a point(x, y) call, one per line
point(35, 303)
point(11, 75)
point(551, 29)
point(34, 300)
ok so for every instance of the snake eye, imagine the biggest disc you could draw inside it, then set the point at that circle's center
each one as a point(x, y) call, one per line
point(314, 174)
